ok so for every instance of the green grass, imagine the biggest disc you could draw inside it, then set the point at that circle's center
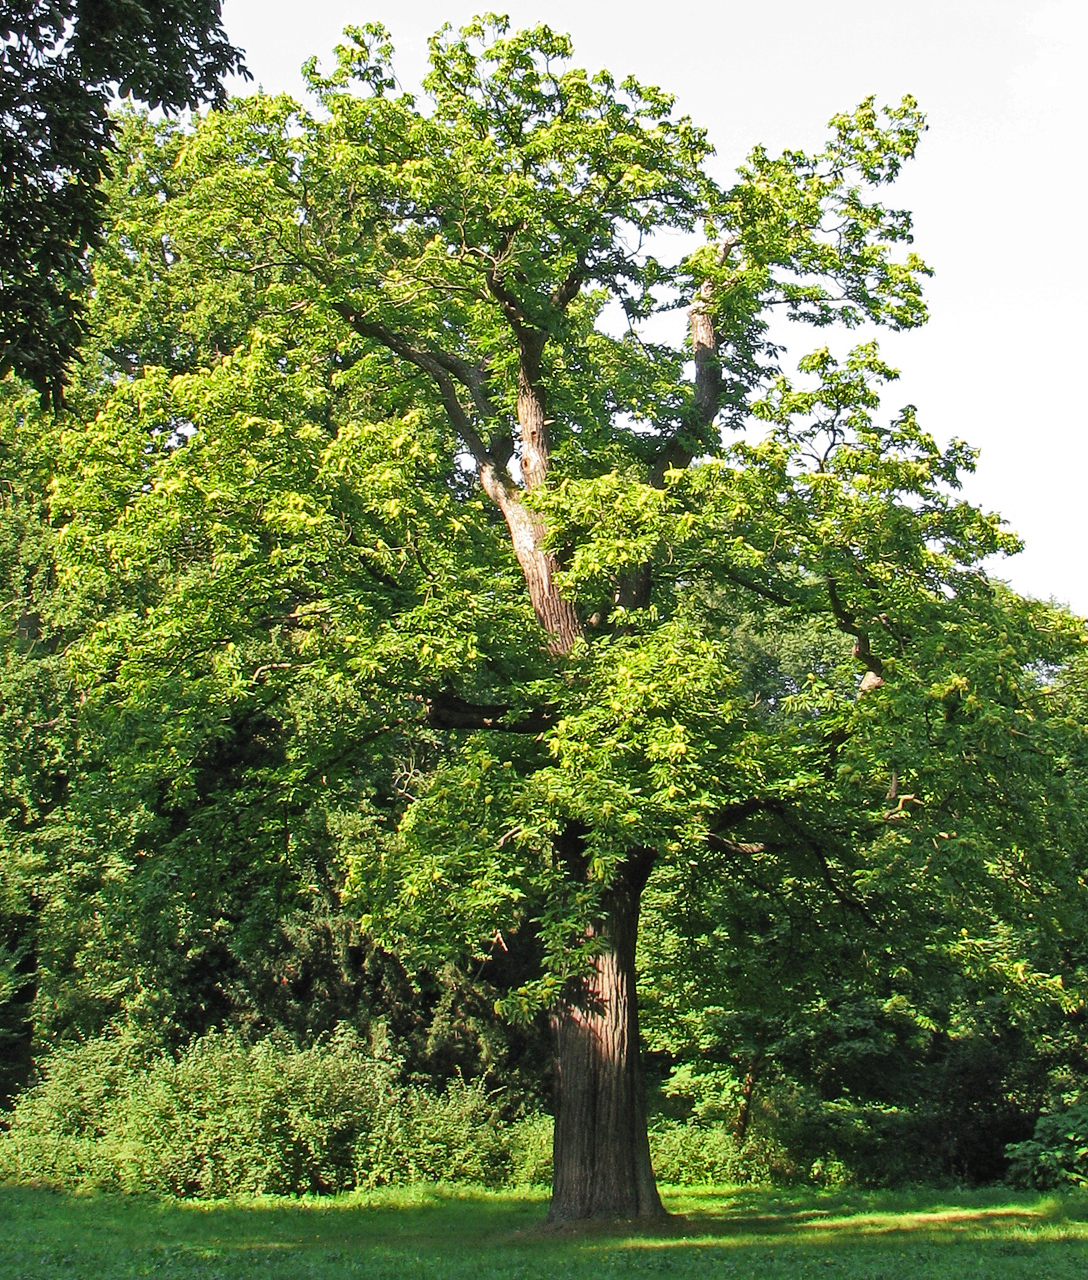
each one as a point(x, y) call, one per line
point(457, 1235)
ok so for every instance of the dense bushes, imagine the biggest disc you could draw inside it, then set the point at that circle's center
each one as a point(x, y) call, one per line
point(1056, 1154)
point(693, 1154)
point(227, 1118)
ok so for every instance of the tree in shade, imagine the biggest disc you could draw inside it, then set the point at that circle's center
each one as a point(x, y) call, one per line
point(61, 62)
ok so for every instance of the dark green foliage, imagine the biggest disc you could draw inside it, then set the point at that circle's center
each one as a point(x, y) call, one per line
point(1057, 1153)
point(17, 991)
point(60, 63)
point(942, 1108)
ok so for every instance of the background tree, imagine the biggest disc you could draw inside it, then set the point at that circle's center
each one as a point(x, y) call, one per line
point(61, 64)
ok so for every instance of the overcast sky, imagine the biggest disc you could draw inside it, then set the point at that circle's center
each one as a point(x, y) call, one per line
point(997, 191)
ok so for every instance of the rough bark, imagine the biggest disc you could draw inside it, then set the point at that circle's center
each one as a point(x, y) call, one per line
point(532, 411)
point(601, 1151)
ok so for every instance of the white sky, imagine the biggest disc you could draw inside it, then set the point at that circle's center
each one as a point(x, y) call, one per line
point(998, 191)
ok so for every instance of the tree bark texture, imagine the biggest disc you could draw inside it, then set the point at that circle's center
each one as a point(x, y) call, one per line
point(532, 412)
point(527, 532)
point(601, 1151)
point(704, 346)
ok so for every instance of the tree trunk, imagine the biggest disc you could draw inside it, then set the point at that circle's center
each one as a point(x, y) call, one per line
point(527, 533)
point(747, 1092)
point(601, 1151)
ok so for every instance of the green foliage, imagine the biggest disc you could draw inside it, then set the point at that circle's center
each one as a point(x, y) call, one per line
point(530, 1145)
point(62, 63)
point(1057, 1153)
point(690, 1154)
point(271, 670)
point(684, 1154)
point(225, 1118)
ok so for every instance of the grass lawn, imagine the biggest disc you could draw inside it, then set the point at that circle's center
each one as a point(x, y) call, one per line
point(459, 1235)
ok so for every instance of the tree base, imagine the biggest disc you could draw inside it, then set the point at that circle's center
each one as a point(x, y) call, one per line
point(605, 1217)
point(602, 1168)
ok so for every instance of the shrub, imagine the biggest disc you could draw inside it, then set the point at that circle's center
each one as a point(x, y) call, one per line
point(687, 1153)
point(1057, 1153)
point(530, 1145)
point(60, 1129)
point(846, 1141)
point(226, 1118)
point(449, 1137)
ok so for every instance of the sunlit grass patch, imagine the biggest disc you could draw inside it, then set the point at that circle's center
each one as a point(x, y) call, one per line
point(455, 1233)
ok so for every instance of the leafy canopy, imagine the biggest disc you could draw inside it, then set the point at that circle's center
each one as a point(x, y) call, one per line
point(300, 648)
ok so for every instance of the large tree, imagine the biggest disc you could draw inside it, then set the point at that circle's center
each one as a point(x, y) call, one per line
point(61, 61)
point(407, 482)
point(478, 244)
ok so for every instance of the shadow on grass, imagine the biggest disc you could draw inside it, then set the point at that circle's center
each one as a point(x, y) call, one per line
point(805, 1216)
point(422, 1219)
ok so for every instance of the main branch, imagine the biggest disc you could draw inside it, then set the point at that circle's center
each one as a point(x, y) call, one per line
point(527, 531)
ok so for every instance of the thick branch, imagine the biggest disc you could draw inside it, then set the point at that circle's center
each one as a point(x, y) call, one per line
point(511, 307)
point(707, 399)
point(708, 367)
point(532, 411)
point(672, 456)
point(556, 615)
point(675, 455)
point(847, 621)
point(757, 588)
point(472, 377)
point(780, 810)
point(448, 711)
point(563, 295)
point(532, 419)
point(527, 532)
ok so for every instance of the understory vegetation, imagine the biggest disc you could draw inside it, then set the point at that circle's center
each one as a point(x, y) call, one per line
point(223, 1117)
point(226, 1119)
